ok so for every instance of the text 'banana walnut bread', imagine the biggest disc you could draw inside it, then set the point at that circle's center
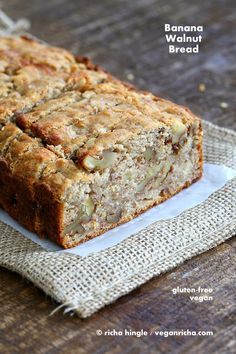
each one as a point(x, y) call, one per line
point(82, 152)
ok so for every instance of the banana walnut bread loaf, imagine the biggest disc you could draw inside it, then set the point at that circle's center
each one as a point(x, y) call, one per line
point(82, 152)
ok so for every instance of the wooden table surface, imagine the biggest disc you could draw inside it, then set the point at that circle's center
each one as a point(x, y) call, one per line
point(127, 38)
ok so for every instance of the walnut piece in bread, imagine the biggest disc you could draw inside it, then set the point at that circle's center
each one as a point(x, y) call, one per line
point(80, 151)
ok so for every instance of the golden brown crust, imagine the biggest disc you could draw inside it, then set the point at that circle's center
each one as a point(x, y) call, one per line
point(106, 115)
point(31, 72)
point(54, 111)
point(32, 180)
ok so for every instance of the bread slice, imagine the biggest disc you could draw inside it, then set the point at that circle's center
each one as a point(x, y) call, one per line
point(32, 73)
point(94, 156)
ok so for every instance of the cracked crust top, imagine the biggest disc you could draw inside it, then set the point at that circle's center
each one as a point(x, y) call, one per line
point(80, 123)
point(67, 109)
point(31, 73)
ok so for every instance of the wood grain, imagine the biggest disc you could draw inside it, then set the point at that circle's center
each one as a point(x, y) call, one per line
point(127, 37)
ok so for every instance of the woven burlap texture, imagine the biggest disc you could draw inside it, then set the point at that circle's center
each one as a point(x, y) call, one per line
point(86, 284)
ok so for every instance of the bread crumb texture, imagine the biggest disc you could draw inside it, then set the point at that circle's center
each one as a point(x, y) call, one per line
point(81, 151)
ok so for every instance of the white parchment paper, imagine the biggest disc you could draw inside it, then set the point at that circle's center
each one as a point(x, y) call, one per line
point(215, 177)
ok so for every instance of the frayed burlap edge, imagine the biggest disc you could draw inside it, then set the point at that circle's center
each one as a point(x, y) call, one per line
point(86, 284)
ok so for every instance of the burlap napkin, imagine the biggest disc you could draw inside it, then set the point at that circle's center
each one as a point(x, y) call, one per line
point(85, 284)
